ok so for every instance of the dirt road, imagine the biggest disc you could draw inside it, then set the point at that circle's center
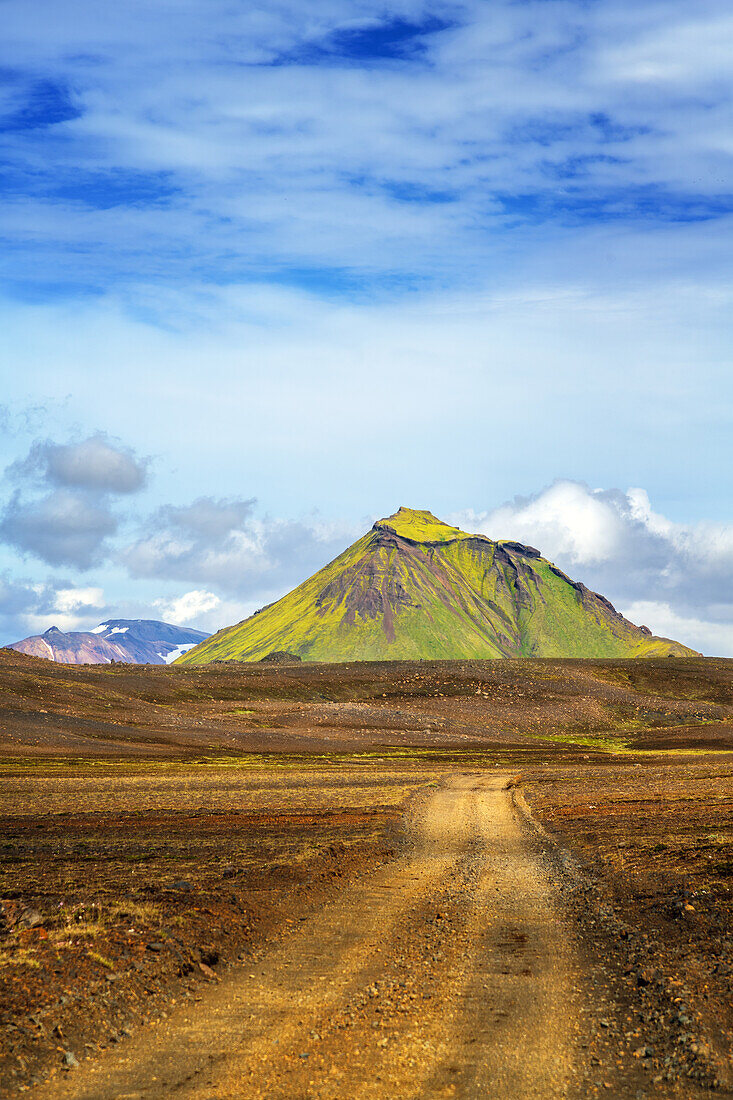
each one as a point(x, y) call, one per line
point(448, 972)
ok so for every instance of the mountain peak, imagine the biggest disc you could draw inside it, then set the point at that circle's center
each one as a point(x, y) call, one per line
point(415, 587)
point(419, 525)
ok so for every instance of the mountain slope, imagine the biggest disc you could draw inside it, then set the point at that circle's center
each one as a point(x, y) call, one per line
point(134, 641)
point(415, 587)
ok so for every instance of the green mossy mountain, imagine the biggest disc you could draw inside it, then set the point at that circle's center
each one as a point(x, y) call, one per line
point(414, 587)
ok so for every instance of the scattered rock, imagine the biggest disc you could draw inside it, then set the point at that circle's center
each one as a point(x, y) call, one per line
point(29, 918)
point(280, 657)
point(70, 1059)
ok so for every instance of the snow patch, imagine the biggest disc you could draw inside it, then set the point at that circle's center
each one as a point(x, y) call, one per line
point(117, 630)
point(180, 649)
point(99, 629)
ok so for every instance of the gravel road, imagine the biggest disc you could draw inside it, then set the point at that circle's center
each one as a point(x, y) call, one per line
point(449, 972)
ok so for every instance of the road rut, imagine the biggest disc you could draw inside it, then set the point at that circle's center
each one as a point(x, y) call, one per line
point(448, 972)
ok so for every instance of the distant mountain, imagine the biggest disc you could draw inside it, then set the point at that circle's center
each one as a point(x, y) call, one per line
point(134, 641)
point(414, 587)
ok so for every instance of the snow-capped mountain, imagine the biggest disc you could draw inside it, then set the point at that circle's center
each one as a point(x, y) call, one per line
point(134, 641)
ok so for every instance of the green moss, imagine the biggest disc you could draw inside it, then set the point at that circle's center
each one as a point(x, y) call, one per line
point(605, 744)
point(101, 959)
point(419, 526)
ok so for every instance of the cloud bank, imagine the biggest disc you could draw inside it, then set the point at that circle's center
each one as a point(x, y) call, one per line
point(28, 607)
point(222, 543)
point(221, 558)
point(64, 513)
point(673, 577)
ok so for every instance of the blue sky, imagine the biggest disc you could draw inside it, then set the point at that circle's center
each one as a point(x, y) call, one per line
point(298, 264)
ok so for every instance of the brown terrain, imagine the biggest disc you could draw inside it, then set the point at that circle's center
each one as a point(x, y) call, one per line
point(430, 879)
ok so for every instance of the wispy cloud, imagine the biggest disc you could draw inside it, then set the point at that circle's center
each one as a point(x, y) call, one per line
point(372, 141)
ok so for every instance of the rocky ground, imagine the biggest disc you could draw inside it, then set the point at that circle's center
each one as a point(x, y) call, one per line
point(647, 861)
point(133, 711)
point(109, 915)
point(151, 850)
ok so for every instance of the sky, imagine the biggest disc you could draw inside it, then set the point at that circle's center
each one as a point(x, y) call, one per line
point(270, 271)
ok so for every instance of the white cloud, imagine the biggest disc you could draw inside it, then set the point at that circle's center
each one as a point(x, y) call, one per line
point(713, 639)
point(677, 576)
point(75, 599)
point(31, 608)
point(206, 611)
point(566, 519)
point(188, 607)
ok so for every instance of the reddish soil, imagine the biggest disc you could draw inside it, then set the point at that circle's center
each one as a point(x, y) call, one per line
point(108, 916)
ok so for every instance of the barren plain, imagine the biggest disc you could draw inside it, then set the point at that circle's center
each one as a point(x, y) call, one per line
point(417, 879)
